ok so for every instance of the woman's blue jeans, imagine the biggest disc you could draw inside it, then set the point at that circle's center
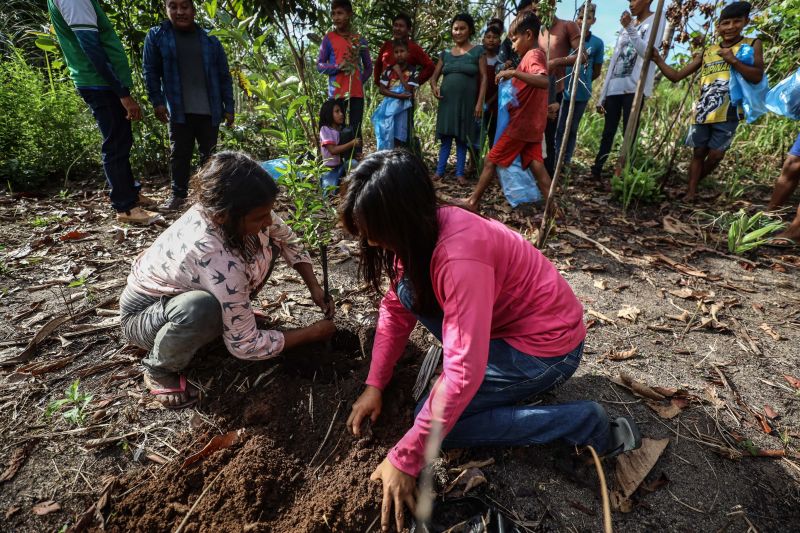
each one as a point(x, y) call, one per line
point(495, 417)
point(444, 155)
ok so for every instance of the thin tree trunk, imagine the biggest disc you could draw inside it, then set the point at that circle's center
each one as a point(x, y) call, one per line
point(633, 121)
point(544, 230)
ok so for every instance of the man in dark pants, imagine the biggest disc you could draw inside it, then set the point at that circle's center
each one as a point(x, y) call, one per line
point(190, 87)
point(99, 68)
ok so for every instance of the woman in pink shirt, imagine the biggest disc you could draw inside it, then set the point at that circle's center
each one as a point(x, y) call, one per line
point(509, 324)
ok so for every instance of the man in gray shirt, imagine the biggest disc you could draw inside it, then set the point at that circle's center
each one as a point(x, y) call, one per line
point(190, 86)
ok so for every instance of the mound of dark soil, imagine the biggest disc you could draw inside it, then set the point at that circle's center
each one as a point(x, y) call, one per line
point(285, 476)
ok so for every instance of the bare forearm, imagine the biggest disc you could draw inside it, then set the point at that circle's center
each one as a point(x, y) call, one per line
point(539, 81)
point(306, 271)
point(751, 73)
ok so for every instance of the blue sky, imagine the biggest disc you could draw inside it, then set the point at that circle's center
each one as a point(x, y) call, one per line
point(608, 13)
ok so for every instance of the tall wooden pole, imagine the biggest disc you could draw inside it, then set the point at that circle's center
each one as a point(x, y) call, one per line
point(633, 121)
point(544, 230)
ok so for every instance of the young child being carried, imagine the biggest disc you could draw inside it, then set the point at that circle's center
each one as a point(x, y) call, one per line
point(398, 84)
point(715, 118)
point(331, 121)
point(525, 131)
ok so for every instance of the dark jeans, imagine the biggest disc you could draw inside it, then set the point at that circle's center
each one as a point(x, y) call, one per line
point(550, 140)
point(117, 143)
point(617, 107)
point(580, 108)
point(181, 144)
point(494, 416)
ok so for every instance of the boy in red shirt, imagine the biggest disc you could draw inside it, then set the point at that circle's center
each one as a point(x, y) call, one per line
point(344, 57)
point(525, 131)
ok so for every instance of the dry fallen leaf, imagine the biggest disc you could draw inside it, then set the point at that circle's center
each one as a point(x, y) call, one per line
point(46, 507)
point(676, 227)
point(793, 381)
point(601, 284)
point(683, 317)
point(600, 316)
point(770, 412)
point(219, 442)
point(713, 397)
point(18, 458)
point(11, 511)
point(629, 312)
point(466, 481)
point(766, 328)
point(633, 467)
point(639, 389)
point(669, 410)
point(620, 503)
point(615, 355)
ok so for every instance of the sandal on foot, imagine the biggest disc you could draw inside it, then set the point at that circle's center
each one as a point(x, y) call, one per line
point(180, 389)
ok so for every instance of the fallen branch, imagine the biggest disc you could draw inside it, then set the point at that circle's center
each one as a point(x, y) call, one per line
point(30, 350)
point(196, 502)
point(95, 443)
point(328, 434)
point(605, 249)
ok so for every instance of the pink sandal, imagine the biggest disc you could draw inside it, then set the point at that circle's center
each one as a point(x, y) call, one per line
point(181, 388)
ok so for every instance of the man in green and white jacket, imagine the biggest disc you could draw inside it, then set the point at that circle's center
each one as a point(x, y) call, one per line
point(99, 68)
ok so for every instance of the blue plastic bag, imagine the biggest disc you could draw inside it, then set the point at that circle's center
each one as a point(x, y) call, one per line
point(519, 186)
point(276, 167)
point(784, 98)
point(390, 120)
point(751, 96)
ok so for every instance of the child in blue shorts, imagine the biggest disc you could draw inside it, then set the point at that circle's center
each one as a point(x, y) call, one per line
point(715, 118)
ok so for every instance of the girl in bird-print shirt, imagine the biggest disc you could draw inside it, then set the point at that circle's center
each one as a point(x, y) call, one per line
point(195, 282)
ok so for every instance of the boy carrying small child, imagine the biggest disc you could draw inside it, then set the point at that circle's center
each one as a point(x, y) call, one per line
point(715, 117)
point(398, 83)
point(525, 131)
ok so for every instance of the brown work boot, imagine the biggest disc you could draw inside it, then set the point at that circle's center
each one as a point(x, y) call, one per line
point(139, 216)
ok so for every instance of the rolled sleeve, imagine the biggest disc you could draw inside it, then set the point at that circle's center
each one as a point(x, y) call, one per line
point(291, 247)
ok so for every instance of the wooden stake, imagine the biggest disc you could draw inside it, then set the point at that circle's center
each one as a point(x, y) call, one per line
point(544, 230)
point(629, 139)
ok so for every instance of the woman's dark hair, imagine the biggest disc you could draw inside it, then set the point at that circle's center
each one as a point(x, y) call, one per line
point(231, 185)
point(405, 18)
point(326, 113)
point(391, 200)
point(467, 19)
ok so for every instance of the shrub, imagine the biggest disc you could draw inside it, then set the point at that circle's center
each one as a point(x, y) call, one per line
point(45, 129)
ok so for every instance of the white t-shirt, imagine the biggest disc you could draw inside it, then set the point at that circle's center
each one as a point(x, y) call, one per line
point(628, 58)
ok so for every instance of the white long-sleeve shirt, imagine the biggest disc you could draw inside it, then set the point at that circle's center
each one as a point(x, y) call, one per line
point(628, 58)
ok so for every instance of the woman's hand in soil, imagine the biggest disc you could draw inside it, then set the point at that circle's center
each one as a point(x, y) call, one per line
point(368, 405)
point(327, 305)
point(398, 489)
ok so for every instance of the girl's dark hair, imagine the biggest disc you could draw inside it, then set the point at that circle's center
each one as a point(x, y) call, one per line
point(391, 200)
point(326, 113)
point(400, 42)
point(231, 185)
point(466, 18)
point(405, 18)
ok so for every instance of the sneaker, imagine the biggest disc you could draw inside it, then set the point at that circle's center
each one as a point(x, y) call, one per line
point(624, 436)
point(137, 215)
point(145, 201)
point(173, 204)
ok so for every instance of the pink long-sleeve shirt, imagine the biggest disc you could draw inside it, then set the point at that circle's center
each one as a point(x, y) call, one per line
point(491, 284)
